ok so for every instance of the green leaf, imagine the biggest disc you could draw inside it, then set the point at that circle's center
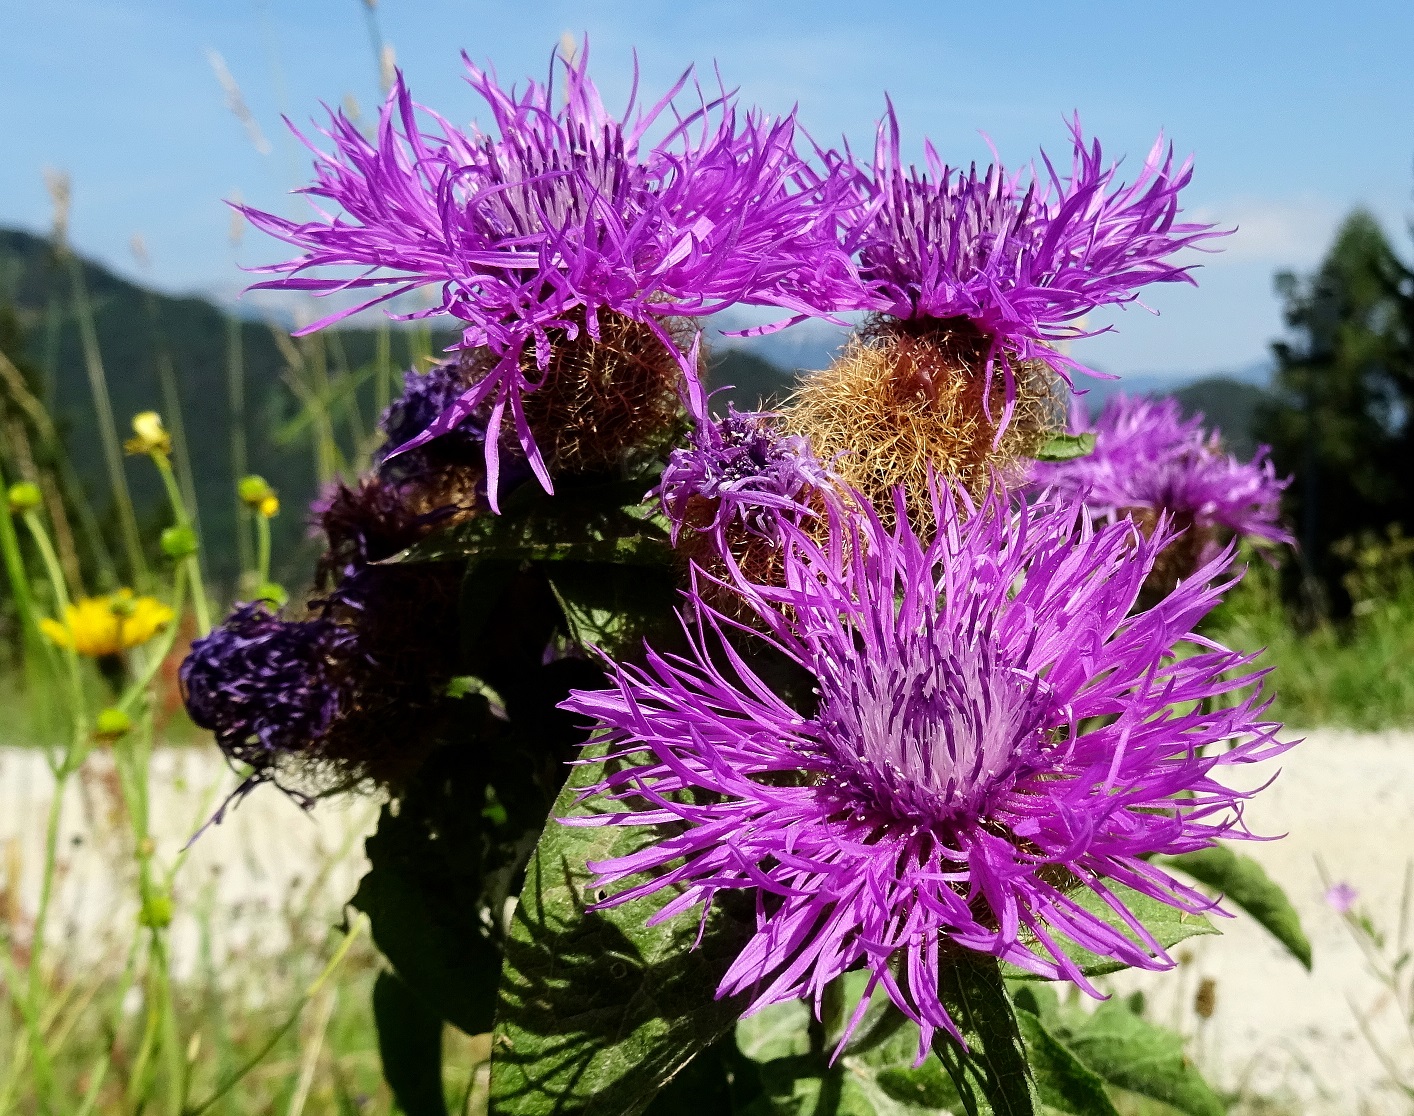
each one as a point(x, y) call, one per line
point(597, 1009)
point(1133, 1054)
point(1063, 1083)
point(410, 1044)
point(1066, 447)
point(1167, 924)
point(991, 1074)
point(424, 892)
point(1244, 883)
point(613, 606)
point(591, 522)
point(778, 1031)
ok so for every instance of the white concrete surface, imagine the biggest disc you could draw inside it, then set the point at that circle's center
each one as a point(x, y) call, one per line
point(1278, 1030)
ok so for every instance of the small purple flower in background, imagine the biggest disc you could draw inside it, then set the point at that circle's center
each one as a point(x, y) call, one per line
point(1341, 897)
point(564, 218)
point(1020, 263)
point(996, 735)
point(737, 476)
point(1149, 461)
point(267, 688)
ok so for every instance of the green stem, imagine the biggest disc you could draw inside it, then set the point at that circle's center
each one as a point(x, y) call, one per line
point(262, 548)
point(359, 927)
point(108, 431)
point(192, 561)
point(99, 1073)
point(235, 399)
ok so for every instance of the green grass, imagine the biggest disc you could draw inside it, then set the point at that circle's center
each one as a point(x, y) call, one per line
point(1356, 673)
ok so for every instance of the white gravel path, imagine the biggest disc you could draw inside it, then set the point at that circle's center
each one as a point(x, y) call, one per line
point(1278, 1030)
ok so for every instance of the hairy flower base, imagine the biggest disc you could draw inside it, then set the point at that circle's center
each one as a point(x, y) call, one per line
point(597, 401)
point(994, 735)
point(909, 400)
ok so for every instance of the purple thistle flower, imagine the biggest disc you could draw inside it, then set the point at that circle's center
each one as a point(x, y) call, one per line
point(995, 735)
point(1021, 262)
point(1148, 458)
point(267, 688)
point(738, 472)
point(564, 214)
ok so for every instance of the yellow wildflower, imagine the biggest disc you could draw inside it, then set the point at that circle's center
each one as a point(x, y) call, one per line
point(98, 626)
point(270, 506)
point(150, 436)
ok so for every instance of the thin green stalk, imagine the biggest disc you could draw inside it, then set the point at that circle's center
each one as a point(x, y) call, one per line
point(99, 1073)
point(235, 396)
point(262, 549)
point(355, 931)
point(15, 570)
point(200, 605)
point(107, 429)
point(39, 1053)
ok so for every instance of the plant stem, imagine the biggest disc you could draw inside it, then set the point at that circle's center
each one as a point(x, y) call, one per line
point(108, 431)
point(192, 562)
point(262, 549)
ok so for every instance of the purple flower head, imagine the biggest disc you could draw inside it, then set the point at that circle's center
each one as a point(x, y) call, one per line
point(266, 687)
point(1021, 261)
point(739, 472)
point(1341, 897)
point(1148, 458)
point(996, 737)
point(425, 396)
point(562, 213)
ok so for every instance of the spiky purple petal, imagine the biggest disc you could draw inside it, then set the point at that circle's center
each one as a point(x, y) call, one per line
point(1148, 457)
point(995, 735)
point(562, 213)
point(1023, 261)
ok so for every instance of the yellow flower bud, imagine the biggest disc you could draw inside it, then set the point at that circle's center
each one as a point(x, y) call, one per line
point(24, 496)
point(150, 436)
point(254, 491)
point(270, 506)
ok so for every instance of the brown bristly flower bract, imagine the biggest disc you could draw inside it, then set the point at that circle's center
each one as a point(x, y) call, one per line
point(909, 399)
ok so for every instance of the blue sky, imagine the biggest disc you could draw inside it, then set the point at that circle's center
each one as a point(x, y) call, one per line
point(1296, 112)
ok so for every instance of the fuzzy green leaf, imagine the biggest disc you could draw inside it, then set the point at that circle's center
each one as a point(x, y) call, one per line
point(1130, 1053)
point(1063, 1082)
point(597, 1009)
point(991, 1075)
point(614, 607)
point(588, 522)
point(1066, 447)
point(1167, 924)
point(1245, 884)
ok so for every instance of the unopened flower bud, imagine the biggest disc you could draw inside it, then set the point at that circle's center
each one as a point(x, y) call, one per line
point(111, 724)
point(270, 506)
point(178, 542)
point(254, 491)
point(273, 593)
point(156, 911)
point(149, 435)
point(24, 496)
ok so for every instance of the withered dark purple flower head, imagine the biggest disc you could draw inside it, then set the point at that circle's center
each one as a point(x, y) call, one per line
point(1148, 458)
point(1020, 262)
point(562, 214)
point(996, 737)
point(266, 687)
